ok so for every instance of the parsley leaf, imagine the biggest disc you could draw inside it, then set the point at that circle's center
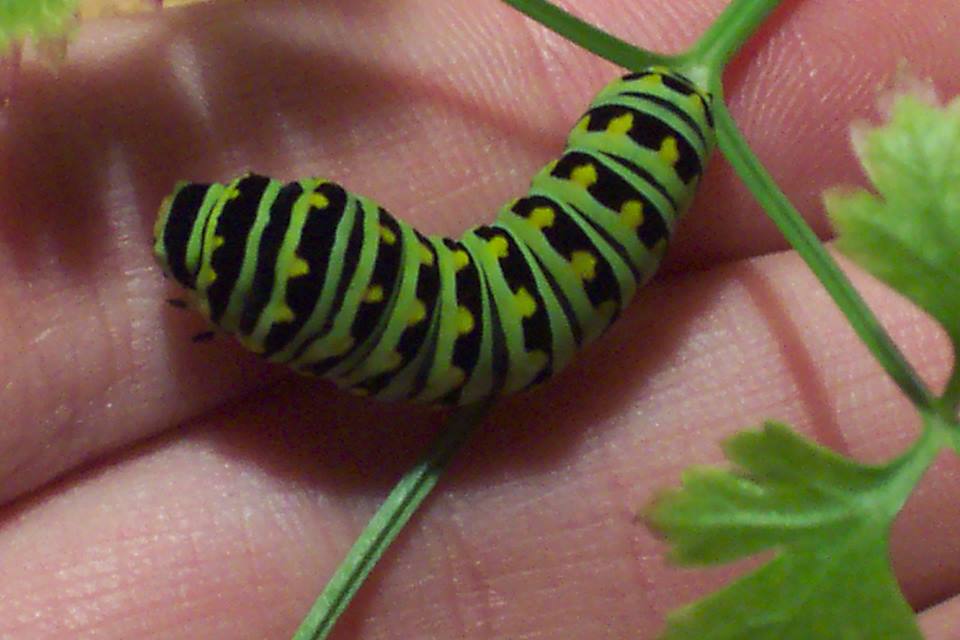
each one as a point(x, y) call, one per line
point(908, 232)
point(829, 518)
point(20, 19)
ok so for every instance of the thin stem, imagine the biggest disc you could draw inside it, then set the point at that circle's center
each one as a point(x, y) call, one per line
point(587, 36)
point(809, 247)
point(951, 392)
point(728, 33)
point(914, 462)
point(387, 522)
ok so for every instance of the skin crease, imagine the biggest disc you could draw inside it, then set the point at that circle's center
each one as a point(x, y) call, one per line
point(154, 488)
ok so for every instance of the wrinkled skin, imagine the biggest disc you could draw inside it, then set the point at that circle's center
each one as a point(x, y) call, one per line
point(157, 488)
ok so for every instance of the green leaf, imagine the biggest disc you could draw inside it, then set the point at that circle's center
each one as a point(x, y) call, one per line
point(38, 19)
point(908, 232)
point(829, 519)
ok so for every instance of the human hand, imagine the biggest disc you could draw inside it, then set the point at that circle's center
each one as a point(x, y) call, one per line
point(157, 487)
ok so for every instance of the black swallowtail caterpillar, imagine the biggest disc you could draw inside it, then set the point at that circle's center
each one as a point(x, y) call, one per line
point(330, 283)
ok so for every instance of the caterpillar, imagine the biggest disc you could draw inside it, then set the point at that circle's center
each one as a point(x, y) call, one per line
point(328, 282)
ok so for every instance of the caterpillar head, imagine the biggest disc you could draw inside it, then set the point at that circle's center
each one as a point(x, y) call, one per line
point(179, 229)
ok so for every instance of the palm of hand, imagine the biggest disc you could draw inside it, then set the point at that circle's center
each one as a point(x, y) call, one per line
point(117, 521)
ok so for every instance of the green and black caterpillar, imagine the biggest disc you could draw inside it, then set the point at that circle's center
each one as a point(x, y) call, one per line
point(331, 284)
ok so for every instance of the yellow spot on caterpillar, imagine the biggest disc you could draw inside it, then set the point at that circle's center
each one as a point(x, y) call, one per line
point(418, 312)
point(392, 361)
point(426, 256)
point(498, 246)
point(652, 79)
point(660, 248)
point(631, 214)
point(669, 152)
point(387, 234)
point(584, 265)
point(373, 294)
point(206, 277)
point(536, 360)
point(341, 346)
point(584, 123)
point(465, 321)
point(551, 166)
point(283, 313)
point(232, 192)
point(526, 305)
point(696, 102)
point(607, 309)
point(319, 201)
point(585, 175)
point(457, 377)
point(218, 241)
point(460, 259)
point(298, 267)
point(542, 217)
point(621, 125)
point(250, 344)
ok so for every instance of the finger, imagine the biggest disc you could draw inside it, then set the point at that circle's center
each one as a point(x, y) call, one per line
point(289, 88)
point(206, 515)
point(941, 622)
point(535, 531)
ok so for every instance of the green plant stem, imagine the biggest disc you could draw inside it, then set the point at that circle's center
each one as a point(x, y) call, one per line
point(387, 522)
point(914, 462)
point(35, 19)
point(728, 33)
point(587, 36)
point(711, 52)
point(809, 247)
point(951, 392)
